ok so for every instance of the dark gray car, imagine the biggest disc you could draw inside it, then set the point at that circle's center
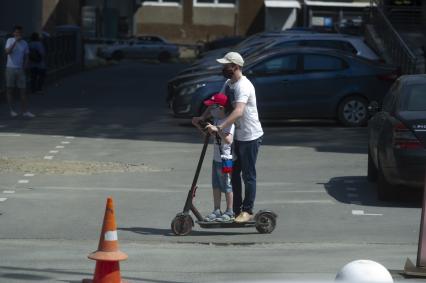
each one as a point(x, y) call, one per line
point(300, 83)
point(397, 138)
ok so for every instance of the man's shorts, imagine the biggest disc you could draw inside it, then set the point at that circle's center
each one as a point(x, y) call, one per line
point(221, 181)
point(15, 77)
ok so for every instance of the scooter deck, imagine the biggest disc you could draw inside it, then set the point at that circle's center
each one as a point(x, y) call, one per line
point(215, 224)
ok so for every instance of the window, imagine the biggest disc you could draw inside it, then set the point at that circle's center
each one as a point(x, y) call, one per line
point(160, 2)
point(415, 98)
point(322, 63)
point(331, 44)
point(389, 100)
point(211, 3)
point(279, 65)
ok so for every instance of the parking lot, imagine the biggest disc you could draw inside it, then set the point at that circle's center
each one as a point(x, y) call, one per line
point(109, 132)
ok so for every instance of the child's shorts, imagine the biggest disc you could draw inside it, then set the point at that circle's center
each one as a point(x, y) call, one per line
point(221, 180)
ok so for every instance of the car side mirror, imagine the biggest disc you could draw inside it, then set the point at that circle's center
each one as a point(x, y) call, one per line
point(373, 108)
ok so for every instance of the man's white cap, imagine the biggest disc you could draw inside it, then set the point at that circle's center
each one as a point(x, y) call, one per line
point(232, 57)
point(364, 271)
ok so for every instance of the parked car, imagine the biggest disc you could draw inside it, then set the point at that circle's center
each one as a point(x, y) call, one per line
point(397, 138)
point(222, 42)
point(347, 43)
point(147, 47)
point(301, 83)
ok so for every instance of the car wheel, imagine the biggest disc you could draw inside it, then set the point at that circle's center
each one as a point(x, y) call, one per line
point(164, 57)
point(385, 190)
point(371, 169)
point(117, 55)
point(353, 111)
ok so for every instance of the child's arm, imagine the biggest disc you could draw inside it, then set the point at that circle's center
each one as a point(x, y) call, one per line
point(226, 137)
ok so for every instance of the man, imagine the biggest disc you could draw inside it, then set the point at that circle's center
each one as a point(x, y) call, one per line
point(248, 132)
point(17, 60)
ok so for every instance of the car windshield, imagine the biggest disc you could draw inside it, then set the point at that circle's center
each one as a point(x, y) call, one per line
point(415, 98)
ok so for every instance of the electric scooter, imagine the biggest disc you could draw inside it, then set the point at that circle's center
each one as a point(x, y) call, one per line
point(264, 221)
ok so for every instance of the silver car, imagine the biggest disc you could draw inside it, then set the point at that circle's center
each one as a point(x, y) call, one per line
point(146, 47)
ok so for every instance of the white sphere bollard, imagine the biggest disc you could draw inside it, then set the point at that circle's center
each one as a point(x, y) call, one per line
point(364, 271)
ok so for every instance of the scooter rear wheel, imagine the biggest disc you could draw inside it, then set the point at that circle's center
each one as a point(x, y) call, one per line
point(182, 224)
point(265, 222)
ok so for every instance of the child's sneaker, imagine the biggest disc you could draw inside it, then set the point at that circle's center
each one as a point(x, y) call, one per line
point(213, 216)
point(228, 216)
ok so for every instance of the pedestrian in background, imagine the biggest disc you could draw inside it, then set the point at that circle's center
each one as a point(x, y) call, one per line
point(17, 61)
point(37, 58)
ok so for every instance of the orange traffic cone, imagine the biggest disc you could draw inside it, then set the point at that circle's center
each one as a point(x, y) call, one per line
point(108, 255)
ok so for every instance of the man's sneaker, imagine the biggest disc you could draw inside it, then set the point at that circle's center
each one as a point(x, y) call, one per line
point(28, 115)
point(13, 114)
point(228, 216)
point(243, 217)
point(213, 216)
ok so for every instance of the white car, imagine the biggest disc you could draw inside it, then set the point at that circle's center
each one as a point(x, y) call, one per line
point(146, 47)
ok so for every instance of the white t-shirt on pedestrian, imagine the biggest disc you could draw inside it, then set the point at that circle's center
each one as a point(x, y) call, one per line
point(16, 59)
point(247, 127)
point(226, 148)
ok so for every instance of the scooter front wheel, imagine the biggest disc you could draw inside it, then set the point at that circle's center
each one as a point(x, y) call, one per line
point(182, 224)
point(266, 222)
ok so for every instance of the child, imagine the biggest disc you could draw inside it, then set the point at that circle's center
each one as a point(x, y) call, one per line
point(222, 160)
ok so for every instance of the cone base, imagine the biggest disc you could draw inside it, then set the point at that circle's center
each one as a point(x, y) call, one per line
point(108, 256)
point(411, 270)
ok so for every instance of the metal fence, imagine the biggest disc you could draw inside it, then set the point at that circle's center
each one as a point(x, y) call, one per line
point(398, 50)
point(63, 54)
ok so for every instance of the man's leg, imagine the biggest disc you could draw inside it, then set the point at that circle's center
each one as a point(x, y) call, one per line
point(236, 180)
point(10, 87)
point(249, 151)
point(21, 83)
point(34, 79)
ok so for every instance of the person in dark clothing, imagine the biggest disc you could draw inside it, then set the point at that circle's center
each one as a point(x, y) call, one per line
point(37, 58)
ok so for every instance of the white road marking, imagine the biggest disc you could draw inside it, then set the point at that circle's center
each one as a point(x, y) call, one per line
point(59, 146)
point(353, 195)
point(48, 157)
point(3, 199)
point(65, 142)
point(29, 175)
point(69, 137)
point(8, 192)
point(53, 151)
point(361, 212)
point(55, 136)
point(10, 135)
point(23, 181)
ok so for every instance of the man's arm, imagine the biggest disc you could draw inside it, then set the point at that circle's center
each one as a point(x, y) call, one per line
point(9, 47)
point(235, 114)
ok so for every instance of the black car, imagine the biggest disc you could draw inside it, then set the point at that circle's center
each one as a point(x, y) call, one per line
point(397, 138)
point(300, 83)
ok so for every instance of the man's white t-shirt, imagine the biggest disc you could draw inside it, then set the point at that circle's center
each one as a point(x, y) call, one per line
point(16, 58)
point(226, 148)
point(247, 127)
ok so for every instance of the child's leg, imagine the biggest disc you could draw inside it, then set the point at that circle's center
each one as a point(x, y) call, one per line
point(217, 196)
point(229, 201)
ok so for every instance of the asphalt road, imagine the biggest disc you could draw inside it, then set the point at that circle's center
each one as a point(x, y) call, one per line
point(108, 132)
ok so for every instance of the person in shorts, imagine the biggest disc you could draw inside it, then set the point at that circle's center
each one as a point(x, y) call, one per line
point(222, 160)
point(17, 52)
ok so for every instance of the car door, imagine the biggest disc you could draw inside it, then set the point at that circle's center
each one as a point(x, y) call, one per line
point(316, 91)
point(273, 80)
